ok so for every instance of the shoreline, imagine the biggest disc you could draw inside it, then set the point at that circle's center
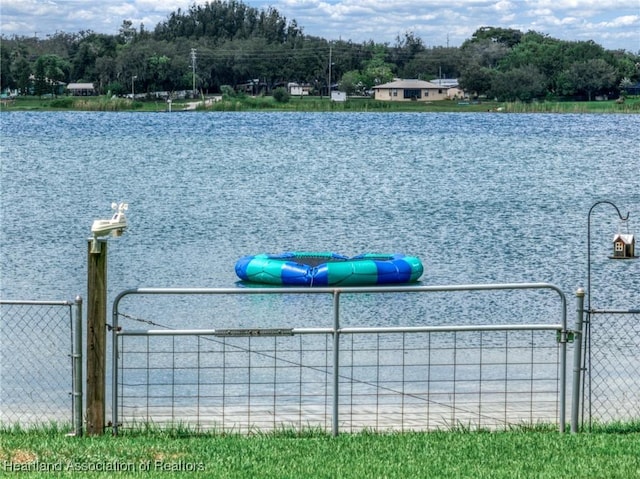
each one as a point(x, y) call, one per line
point(315, 104)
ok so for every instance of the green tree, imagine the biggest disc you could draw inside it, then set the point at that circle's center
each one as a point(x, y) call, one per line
point(236, 44)
point(127, 33)
point(438, 62)
point(377, 71)
point(405, 50)
point(480, 59)
point(231, 20)
point(62, 44)
point(552, 57)
point(105, 74)
point(351, 83)
point(89, 50)
point(21, 74)
point(484, 53)
point(547, 54)
point(239, 61)
point(477, 80)
point(115, 88)
point(84, 63)
point(589, 77)
point(50, 70)
point(132, 61)
point(523, 83)
point(158, 70)
point(6, 72)
point(40, 80)
point(504, 36)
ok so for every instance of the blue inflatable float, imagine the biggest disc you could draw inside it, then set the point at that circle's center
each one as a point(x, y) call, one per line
point(329, 269)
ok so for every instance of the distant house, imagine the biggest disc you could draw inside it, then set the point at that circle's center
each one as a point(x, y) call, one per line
point(410, 90)
point(52, 87)
point(451, 84)
point(445, 82)
point(296, 89)
point(81, 89)
point(455, 93)
point(252, 87)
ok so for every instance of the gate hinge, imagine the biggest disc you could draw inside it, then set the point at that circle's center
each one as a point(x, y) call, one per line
point(565, 336)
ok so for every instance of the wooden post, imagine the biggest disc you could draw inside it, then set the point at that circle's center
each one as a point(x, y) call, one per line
point(96, 334)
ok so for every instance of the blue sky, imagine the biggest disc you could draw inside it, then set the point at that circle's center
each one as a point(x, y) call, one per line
point(614, 24)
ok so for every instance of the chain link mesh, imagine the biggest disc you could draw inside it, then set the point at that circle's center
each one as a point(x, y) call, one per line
point(35, 362)
point(612, 384)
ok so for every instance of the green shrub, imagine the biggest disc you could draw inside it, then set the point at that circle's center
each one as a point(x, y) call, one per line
point(281, 95)
point(66, 102)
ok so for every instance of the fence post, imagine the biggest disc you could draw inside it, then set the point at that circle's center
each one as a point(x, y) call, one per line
point(577, 361)
point(77, 369)
point(96, 334)
point(336, 364)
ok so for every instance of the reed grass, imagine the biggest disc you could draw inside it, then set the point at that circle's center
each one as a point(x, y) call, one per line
point(632, 106)
point(318, 104)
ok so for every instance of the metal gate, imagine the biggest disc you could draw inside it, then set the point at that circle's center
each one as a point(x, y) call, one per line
point(334, 377)
point(41, 362)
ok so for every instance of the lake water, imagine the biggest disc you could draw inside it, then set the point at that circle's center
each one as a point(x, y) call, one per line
point(480, 198)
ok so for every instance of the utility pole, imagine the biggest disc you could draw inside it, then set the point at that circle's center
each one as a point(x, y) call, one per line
point(329, 84)
point(193, 65)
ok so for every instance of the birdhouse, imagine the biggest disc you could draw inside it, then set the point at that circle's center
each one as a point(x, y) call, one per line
point(623, 246)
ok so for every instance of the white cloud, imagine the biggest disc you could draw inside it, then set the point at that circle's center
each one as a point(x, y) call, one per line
point(612, 23)
point(624, 21)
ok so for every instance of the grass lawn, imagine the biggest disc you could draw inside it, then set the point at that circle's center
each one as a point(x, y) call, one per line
point(541, 452)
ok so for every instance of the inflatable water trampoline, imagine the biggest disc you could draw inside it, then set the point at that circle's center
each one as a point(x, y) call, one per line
point(328, 269)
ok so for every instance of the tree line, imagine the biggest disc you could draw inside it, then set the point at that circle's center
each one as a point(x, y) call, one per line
point(222, 44)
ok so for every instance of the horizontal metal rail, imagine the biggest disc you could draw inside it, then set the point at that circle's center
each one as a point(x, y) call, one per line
point(614, 311)
point(350, 330)
point(350, 290)
point(36, 303)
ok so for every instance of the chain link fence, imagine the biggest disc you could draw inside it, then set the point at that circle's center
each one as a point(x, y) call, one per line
point(612, 384)
point(41, 373)
point(38, 365)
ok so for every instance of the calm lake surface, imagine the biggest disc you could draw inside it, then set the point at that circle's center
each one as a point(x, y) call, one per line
point(480, 198)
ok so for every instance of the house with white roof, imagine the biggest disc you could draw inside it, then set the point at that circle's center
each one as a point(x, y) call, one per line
point(81, 89)
point(410, 90)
